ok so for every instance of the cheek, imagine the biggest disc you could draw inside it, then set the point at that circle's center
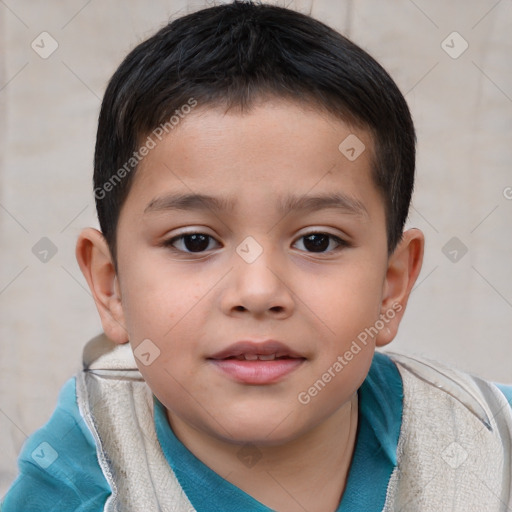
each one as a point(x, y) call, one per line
point(345, 305)
point(165, 308)
point(156, 299)
point(343, 301)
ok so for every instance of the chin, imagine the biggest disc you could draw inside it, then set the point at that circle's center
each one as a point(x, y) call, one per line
point(262, 429)
point(259, 437)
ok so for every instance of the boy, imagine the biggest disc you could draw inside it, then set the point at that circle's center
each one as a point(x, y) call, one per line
point(241, 375)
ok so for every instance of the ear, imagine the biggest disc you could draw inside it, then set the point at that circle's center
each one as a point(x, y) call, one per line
point(404, 266)
point(95, 261)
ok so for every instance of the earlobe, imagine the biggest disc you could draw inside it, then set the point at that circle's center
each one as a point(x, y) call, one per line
point(404, 266)
point(93, 257)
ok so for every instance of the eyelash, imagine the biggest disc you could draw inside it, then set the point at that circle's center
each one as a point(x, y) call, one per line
point(341, 243)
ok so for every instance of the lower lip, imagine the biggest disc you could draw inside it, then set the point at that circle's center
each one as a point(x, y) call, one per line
point(257, 372)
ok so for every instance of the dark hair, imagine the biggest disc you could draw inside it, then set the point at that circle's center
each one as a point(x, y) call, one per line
point(232, 55)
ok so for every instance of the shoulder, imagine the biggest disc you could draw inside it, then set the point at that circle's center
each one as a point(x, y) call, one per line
point(441, 383)
point(58, 466)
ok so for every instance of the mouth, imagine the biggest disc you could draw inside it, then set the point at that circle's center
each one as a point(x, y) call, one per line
point(251, 350)
point(257, 363)
point(258, 357)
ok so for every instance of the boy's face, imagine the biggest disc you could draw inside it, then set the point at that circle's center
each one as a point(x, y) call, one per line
point(258, 273)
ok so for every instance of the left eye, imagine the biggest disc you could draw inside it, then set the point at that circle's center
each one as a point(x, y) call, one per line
point(320, 242)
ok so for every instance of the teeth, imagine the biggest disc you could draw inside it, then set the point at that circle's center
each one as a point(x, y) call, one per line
point(254, 357)
point(269, 357)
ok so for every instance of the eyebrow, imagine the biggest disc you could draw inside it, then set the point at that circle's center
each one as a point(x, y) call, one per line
point(288, 204)
point(188, 202)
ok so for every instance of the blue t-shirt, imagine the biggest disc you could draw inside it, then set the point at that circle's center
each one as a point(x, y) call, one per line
point(59, 469)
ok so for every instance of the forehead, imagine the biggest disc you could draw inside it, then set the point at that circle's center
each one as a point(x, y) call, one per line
point(277, 149)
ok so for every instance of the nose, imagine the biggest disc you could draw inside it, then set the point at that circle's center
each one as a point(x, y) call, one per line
point(260, 289)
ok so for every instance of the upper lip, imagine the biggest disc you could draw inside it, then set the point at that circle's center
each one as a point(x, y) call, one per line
point(260, 348)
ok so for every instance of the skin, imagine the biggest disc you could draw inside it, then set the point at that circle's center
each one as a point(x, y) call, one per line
point(194, 304)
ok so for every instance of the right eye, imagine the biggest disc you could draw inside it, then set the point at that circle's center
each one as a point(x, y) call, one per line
point(189, 242)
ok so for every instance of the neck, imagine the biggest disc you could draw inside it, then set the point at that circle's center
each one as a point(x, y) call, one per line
point(307, 473)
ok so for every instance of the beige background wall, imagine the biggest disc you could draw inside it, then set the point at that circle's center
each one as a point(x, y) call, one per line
point(460, 312)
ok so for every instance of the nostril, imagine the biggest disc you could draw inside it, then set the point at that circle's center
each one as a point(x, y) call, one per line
point(275, 309)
